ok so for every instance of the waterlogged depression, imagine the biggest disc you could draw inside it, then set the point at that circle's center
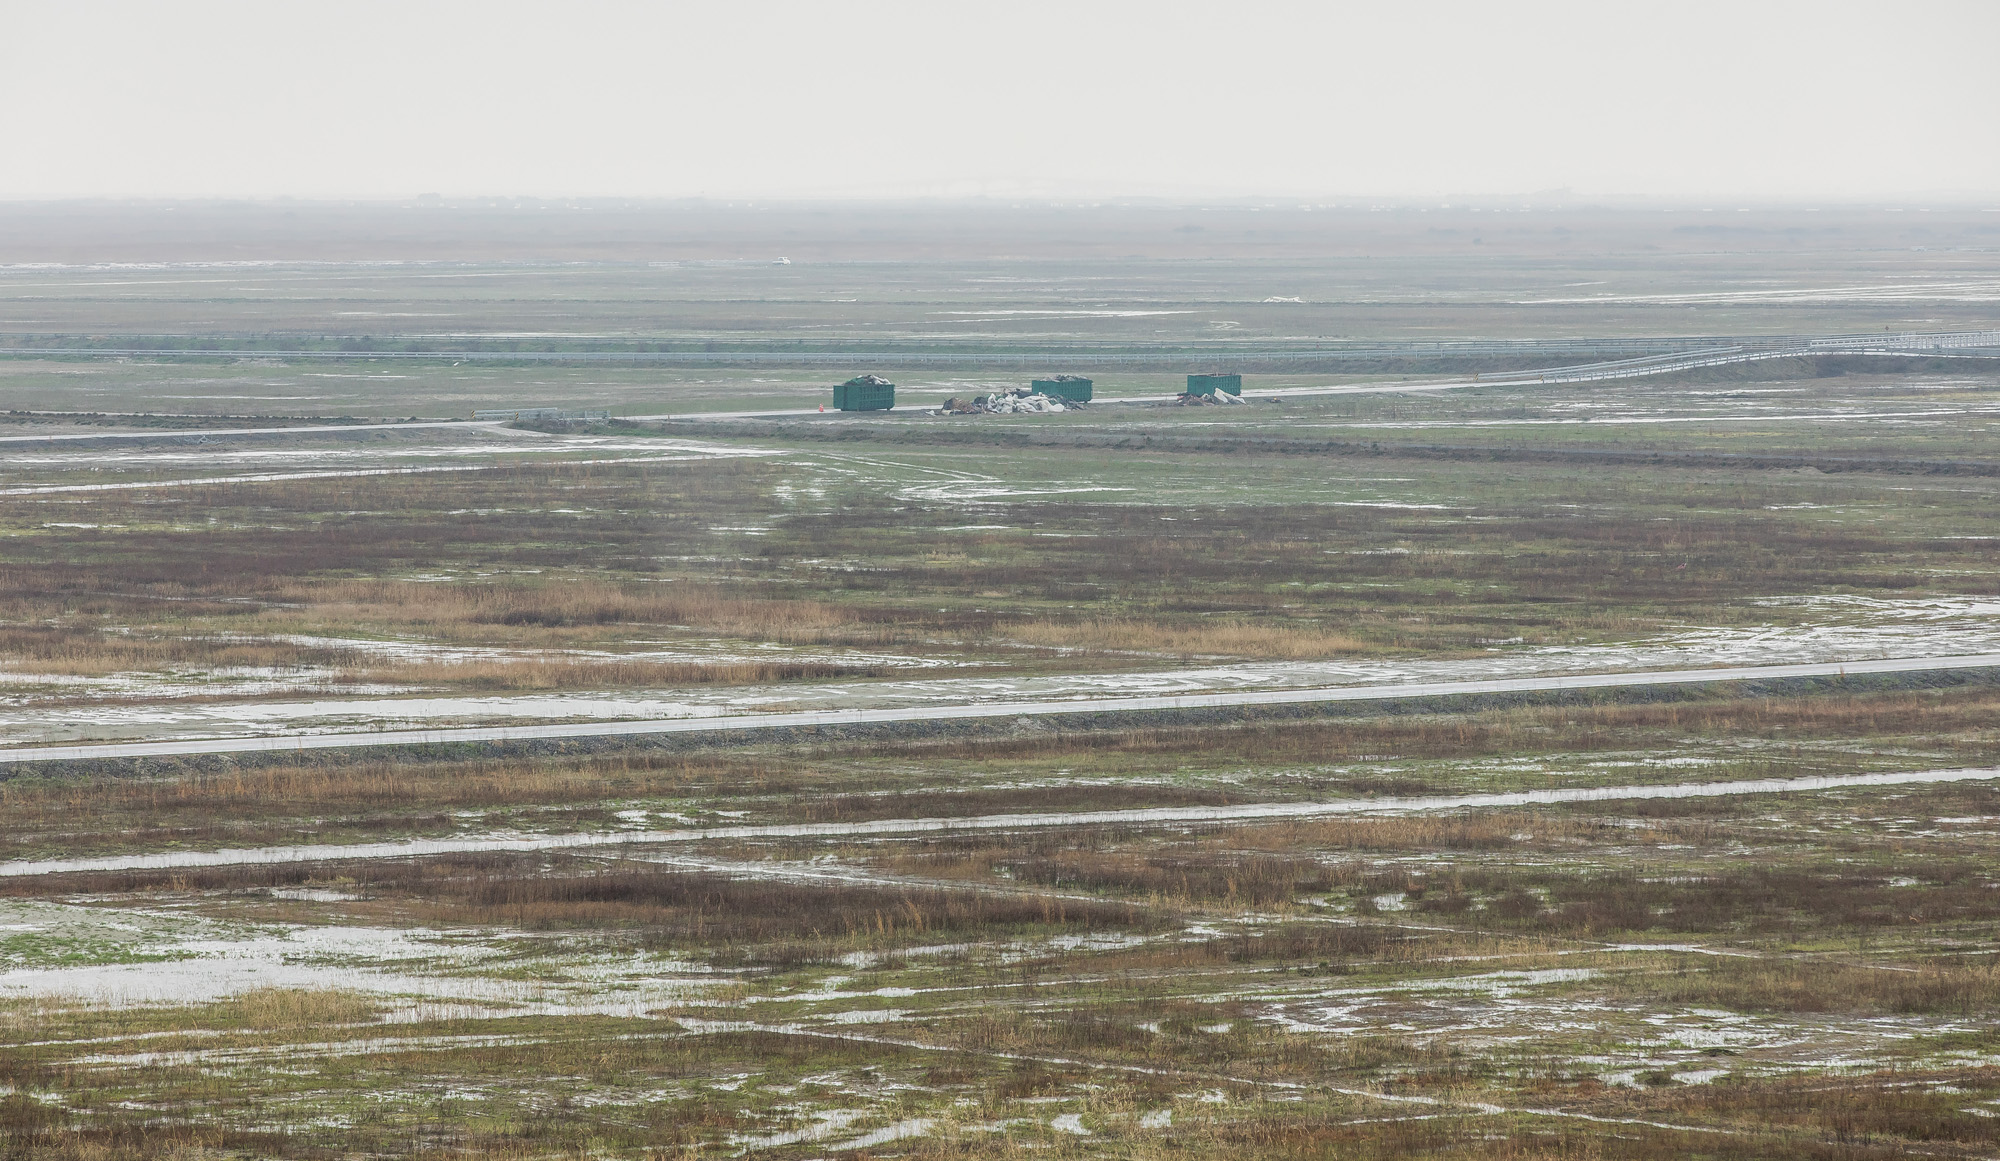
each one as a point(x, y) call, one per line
point(129, 957)
point(1762, 914)
point(135, 956)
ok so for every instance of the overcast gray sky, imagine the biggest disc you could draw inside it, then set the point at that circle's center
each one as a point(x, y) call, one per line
point(1828, 100)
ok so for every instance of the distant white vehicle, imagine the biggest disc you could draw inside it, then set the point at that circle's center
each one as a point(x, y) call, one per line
point(782, 262)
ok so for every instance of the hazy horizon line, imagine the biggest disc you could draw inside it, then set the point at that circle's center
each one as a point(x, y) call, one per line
point(1541, 199)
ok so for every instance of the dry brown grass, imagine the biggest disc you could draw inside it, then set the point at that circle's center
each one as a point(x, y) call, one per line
point(447, 610)
point(1956, 719)
point(252, 565)
point(1927, 1106)
point(86, 650)
point(319, 557)
point(552, 673)
point(1784, 985)
point(317, 787)
point(974, 801)
point(1186, 873)
point(304, 1007)
point(285, 803)
point(1763, 900)
point(1222, 639)
point(655, 905)
point(1483, 832)
point(516, 616)
point(706, 910)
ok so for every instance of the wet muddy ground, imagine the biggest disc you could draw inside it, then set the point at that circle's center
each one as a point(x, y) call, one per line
point(1526, 963)
point(1737, 922)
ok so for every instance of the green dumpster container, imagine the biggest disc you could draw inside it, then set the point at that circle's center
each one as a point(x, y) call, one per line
point(865, 393)
point(1210, 384)
point(1072, 387)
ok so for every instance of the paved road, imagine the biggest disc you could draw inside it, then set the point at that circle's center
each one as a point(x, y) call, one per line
point(794, 411)
point(1657, 364)
point(1579, 373)
point(1014, 709)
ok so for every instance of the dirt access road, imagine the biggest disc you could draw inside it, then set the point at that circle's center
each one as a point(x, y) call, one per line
point(1013, 709)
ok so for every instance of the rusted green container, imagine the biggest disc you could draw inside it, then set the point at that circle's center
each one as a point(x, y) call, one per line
point(1210, 384)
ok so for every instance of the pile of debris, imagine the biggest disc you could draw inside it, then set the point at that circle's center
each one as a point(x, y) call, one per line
point(1193, 399)
point(1017, 401)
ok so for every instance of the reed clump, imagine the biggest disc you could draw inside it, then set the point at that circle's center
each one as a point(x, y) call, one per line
point(448, 609)
point(1897, 1106)
point(1219, 639)
point(1756, 900)
point(1787, 985)
point(1254, 880)
point(975, 801)
point(279, 1007)
point(362, 788)
point(706, 910)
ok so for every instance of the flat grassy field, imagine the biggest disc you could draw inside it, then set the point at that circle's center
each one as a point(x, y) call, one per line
point(1719, 921)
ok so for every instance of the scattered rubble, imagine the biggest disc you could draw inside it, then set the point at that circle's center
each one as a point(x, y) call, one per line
point(1015, 401)
point(1194, 399)
point(540, 414)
